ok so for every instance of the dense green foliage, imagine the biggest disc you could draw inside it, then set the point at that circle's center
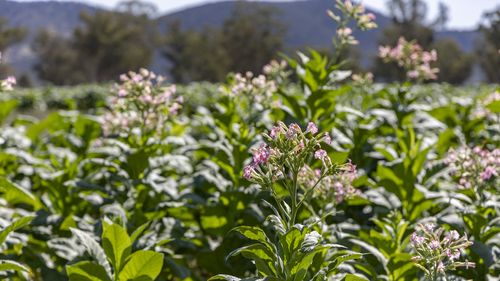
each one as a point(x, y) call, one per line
point(186, 193)
point(305, 172)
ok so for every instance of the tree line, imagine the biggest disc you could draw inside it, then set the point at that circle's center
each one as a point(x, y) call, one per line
point(108, 43)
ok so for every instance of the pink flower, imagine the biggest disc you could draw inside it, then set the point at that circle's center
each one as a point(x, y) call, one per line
point(440, 267)
point(453, 254)
point(327, 139)
point(416, 239)
point(275, 131)
point(261, 155)
point(429, 227)
point(344, 32)
point(320, 154)
point(413, 74)
point(293, 130)
point(434, 244)
point(312, 128)
point(248, 171)
point(488, 173)
point(122, 93)
point(453, 235)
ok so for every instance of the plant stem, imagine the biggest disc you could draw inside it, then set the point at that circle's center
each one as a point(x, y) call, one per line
point(294, 200)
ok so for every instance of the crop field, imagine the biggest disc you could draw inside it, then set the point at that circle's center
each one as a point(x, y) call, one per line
point(303, 172)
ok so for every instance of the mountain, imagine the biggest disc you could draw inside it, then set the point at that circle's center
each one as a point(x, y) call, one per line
point(59, 17)
point(306, 21)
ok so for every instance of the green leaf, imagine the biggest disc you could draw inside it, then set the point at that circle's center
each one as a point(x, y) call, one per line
point(252, 232)
point(116, 244)
point(494, 106)
point(137, 233)
point(352, 277)
point(142, 265)
point(13, 265)
point(86, 271)
point(6, 107)
point(14, 226)
point(400, 265)
point(224, 277)
point(15, 194)
point(93, 249)
point(136, 164)
point(263, 258)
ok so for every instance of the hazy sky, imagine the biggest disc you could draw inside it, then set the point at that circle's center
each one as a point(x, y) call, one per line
point(464, 14)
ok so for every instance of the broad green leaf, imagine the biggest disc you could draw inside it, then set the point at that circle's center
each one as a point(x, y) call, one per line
point(13, 265)
point(263, 258)
point(86, 271)
point(93, 249)
point(136, 163)
point(116, 244)
point(142, 265)
point(137, 233)
point(15, 194)
point(400, 265)
point(494, 107)
point(352, 277)
point(224, 277)
point(14, 226)
point(252, 232)
point(6, 107)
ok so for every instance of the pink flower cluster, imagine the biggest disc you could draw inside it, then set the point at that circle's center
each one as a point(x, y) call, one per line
point(338, 186)
point(256, 88)
point(437, 251)
point(140, 104)
point(364, 21)
point(268, 159)
point(290, 152)
point(7, 84)
point(363, 79)
point(474, 167)
point(274, 67)
point(411, 56)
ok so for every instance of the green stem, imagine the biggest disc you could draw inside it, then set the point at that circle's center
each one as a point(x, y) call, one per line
point(294, 200)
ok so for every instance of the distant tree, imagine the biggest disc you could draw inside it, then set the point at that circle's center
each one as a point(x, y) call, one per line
point(408, 20)
point(195, 56)
point(248, 40)
point(111, 43)
point(58, 61)
point(252, 36)
point(488, 50)
point(8, 37)
point(454, 65)
point(107, 44)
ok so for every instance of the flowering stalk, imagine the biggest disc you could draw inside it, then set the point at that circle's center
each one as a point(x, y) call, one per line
point(350, 11)
point(276, 71)
point(410, 56)
point(287, 157)
point(141, 106)
point(255, 91)
point(475, 168)
point(437, 253)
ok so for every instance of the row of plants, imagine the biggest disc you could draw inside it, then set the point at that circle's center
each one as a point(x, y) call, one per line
point(294, 174)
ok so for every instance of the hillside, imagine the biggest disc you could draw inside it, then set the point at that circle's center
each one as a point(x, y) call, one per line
point(306, 21)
